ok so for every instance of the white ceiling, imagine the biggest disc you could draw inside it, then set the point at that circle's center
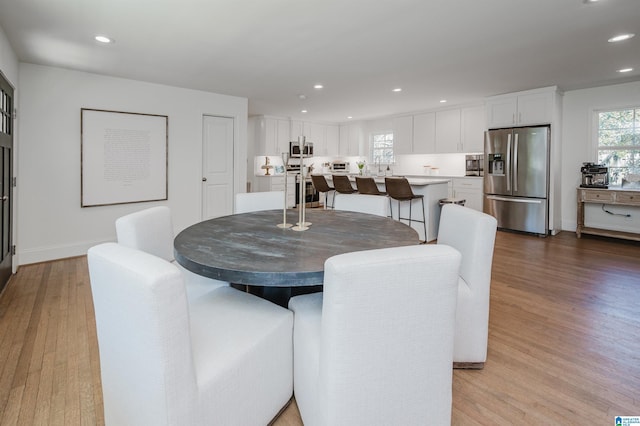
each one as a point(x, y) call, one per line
point(272, 51)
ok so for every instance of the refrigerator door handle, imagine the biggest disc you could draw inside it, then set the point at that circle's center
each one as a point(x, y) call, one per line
point(508, 171)
point(515, 200)
point(515, 163)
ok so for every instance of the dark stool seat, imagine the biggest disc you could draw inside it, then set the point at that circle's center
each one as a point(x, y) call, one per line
point(321, 185)
point(366, 185)
point(342, 184)
point(398, 188)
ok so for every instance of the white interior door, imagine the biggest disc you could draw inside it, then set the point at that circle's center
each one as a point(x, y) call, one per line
point(217, 166)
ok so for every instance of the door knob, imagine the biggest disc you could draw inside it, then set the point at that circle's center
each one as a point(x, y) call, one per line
point(204, 179)
point(5, 198)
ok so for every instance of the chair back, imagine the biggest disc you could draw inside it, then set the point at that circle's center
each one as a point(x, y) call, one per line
point(473, 234)
point(366, 185)
point(399, 304)
point(320, 183)
point(342, 184)
point(398, 188)
point(362, 203)
point(257, 201)
point(142, 323)
point(148, 230)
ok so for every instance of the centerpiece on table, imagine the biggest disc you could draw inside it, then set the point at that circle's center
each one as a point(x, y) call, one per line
point(360, 165)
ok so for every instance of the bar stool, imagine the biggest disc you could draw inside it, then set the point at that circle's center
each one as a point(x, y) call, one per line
point(366, 185)
point(400, 190)
point(321, 185)
point(342, 185)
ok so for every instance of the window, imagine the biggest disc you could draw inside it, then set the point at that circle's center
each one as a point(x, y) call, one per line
point(382, 148)
point(619, 142)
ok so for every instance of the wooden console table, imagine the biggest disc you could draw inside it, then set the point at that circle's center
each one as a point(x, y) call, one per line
point(610, 196)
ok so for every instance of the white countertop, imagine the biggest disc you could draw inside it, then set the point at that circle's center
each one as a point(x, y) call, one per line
point(416, 181)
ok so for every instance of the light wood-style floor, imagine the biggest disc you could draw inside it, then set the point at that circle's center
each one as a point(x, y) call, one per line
point(564, 344)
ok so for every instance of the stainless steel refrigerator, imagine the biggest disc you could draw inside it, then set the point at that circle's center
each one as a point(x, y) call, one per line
point(516, 179)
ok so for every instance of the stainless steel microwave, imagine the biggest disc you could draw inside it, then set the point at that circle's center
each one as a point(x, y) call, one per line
point(294, 149)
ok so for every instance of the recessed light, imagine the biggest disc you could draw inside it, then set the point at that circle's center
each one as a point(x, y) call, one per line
point(103, 39)
point(302, 97)
point(349, 117)
point(626, 70)
point(304, 111)
point(621, 37)
point(397, 89)
point(442, 101)
point(318, 86)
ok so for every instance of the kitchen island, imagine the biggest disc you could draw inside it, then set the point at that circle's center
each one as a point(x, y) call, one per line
point(432, 189)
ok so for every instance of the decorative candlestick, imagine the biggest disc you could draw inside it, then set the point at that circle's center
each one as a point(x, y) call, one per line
point(302, 225)
point(284, 224)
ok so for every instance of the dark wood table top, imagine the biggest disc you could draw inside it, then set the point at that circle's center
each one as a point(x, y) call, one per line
point(250, 249)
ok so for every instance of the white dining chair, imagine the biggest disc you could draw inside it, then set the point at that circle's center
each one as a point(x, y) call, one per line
point(473, 234)
point(257, 201)
point(362, 203)
point(151, 231)
point(376, 346)
point(224, 359)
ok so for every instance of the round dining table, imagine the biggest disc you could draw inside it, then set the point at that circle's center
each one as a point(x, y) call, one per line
point(250, 248)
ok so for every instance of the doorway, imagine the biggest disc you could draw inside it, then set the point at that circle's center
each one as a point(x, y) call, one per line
point(217, 166)
point(6, 180)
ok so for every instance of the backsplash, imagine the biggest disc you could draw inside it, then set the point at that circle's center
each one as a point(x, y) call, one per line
point(419, 165)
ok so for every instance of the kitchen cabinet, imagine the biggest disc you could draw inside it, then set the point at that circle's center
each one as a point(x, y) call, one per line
point(459, 130)
point(520, 109)
point(272, 136)
point(332, 140)
point(276, 183)
point(448, 131)
point(472, 127)
point(424, 133)
point(469, 189)
point(315, 133)
point(403, 135)
point(351, 139)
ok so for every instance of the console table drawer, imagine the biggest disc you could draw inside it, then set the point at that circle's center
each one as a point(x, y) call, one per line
point(598, 196)
point(629, 199)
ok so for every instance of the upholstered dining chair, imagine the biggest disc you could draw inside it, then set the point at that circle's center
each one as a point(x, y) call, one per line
point(473, 234)
point(151, 231)
point(321, 185)
point(224, 359)
point(362, 203)
point(342, 184)
point(376, 346)
point(257, 201)
point(367, 185)
point(399, 189)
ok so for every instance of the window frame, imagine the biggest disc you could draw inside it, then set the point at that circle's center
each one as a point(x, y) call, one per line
point(373, 149)
point(596, 147)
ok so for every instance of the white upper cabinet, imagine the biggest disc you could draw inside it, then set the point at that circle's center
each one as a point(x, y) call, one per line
point(521, 109)
point(351, 139)
point(448, 131)
point(424, 133)
point(272, 136)
point(403, 135)
point(472, 127)
point(315, 133)
point(332, 140)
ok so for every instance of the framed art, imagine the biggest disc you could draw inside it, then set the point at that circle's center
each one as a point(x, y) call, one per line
point(124, 157)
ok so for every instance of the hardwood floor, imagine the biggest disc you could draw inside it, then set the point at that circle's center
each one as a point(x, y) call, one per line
point(564, 343)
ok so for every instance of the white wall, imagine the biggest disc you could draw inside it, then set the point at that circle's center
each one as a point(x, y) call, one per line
point(8, 60)
point(577, 147)
point(51, 222)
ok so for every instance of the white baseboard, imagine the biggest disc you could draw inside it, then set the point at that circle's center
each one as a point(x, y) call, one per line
point(44, 254)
